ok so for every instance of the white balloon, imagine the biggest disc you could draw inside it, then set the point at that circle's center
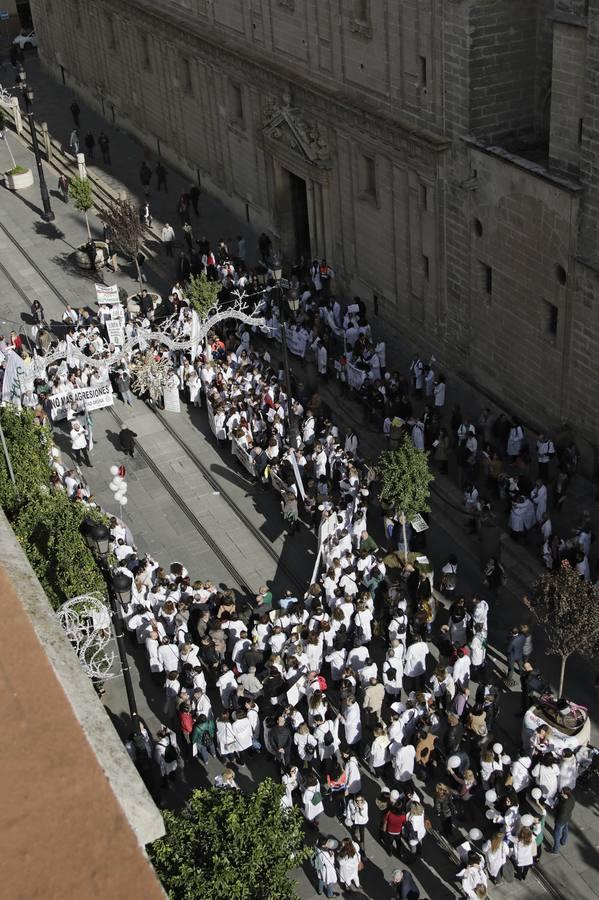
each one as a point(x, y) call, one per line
point(123, 487)
point(119, 497)
point(117, 479)
point(475, 834)
point(124, 501)
point(114, 487)
point(114, 470)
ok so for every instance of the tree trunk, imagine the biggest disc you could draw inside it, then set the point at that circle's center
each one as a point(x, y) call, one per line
point(12, 159)
point(89, 234)
point(561, 675)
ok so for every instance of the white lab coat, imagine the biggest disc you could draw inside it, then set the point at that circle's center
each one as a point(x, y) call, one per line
point(539, 498)
point(353, 724)
point(313, 810)
point(515, 441)
point(495, 859)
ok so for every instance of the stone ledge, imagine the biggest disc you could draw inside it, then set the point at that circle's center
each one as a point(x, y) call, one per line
point(139, 809)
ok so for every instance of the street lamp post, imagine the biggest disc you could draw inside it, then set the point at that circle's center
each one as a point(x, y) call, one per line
point(286, 303)
point(47, 215)
point(97, 538)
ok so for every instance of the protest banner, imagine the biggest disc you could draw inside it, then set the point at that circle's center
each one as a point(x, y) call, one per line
point(355, 376)
point(171, 398)
point(418, 523)
point(92, 398)
point(107, 293)
point(116, 332)
point(243, 456)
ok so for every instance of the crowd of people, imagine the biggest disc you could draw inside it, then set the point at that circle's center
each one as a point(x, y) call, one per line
point(378, 674)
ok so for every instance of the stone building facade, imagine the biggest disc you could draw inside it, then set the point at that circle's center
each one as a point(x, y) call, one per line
point(442, 155)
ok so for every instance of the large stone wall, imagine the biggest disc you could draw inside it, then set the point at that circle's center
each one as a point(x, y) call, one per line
point(384, 110)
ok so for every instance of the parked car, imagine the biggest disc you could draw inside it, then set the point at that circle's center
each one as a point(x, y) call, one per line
point(26, 39)
point(569, 722)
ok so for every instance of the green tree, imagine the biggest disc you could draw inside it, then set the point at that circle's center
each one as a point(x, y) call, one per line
point(568, 610)
point(228, 846)
point(28, 445)
point(202, 294)
point(124, 223)
point(49, 530)
point(404, 478)
point(80, 192)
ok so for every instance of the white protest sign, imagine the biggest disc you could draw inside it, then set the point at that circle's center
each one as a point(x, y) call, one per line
point(107, 293)
point(172, 400)
point(14, 373)
point(355, 377)
point(418, 523)
point(116, 332)
point(92, 398)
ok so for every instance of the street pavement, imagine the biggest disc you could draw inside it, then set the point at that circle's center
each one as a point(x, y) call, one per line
point(162, 526)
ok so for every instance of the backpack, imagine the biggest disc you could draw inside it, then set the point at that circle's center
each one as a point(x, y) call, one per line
point(170, 754)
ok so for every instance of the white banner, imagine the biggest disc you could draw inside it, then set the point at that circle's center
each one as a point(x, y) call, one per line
point(92, 397)
point(355, 377)
point(172, 401)
point(243, 456)
point(107, 293)
point(18, 377)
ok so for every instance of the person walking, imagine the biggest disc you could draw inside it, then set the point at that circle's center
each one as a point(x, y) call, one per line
point(145, 174)
point(168, 238)
point(90, 143)
point(194, 196)
point(74, 141)
point(78, 438)
point(349, 862)
point(127, 441)
point(75, 111)
point(161, 175)
point(323, 861)
point(564, 808)
point(63, 187)
point(188, 235)
point(104, 145)
point(405, 886)
point(523, 849)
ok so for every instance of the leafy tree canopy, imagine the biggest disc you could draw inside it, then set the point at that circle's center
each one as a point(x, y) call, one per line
point(80, 192)
point(404, 479)
point(28, 443)
point(126, 228)
point(229, 846)
point(202, 294)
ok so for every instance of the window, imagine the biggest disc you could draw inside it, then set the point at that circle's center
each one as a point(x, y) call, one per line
point(236, 105)
point(551, 319)
point(423, 71)
point(77, 17)
point(486, 278)
point(145, 53)
point(561, 274)
point(478, 227)
point(368, 177)
point(580, 125)
point(426, 267)
point(362, 10)
point(112, 32)
point(423, 196)
point(186, 80)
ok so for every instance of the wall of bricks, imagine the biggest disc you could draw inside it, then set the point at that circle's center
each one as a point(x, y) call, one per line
point(567, 97)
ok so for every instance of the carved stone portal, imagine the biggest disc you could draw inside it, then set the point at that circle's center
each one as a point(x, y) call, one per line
point(287, 126)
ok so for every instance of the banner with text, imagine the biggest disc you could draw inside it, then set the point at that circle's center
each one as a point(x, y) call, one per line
point(91, 397)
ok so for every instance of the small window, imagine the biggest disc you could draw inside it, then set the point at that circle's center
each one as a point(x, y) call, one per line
point(551, 318)
point(77, 16)
point(375, 304)
point(112, 33)
point(368, 177)
point(478, 227)
point(426, 266)
point(487, 278)
point(236, 103)
point(580, 123)
point(362, 10)
point(145, 53)
point(186, 80)
point(423, 71)
point(423, 196)
point(561, 274)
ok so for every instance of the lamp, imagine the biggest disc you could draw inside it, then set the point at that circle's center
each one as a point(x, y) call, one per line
point(121, 586)
point(97, 537)
point(277, 267)
point(293, 300)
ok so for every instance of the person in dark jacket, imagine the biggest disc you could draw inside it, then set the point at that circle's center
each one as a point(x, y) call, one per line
point(127, 441)
point(281, 740)
point(404, 884)
point(563, 815)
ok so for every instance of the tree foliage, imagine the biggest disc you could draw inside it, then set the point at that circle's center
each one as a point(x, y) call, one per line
point(124, 223)
point(229, 846)
point(404, 479)
point(49, 530)
point(80, 192)
point(28, 444)
point(46, 522)
point(202, 294)
point(568, 609)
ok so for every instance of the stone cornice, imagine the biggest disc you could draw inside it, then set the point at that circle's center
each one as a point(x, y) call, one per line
point(314, 93)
